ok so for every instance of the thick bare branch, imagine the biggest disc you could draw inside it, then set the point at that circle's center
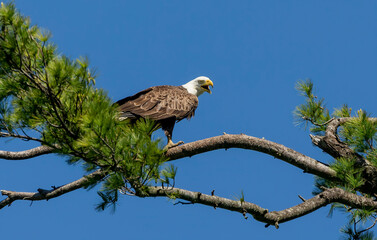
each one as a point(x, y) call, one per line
point(276, 150)
point(22, 155)
point(261, 214)
point(48, 194)
point(331, 144)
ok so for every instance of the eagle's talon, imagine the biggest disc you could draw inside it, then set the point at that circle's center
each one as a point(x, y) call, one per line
point(172, 145)
point(178, 143)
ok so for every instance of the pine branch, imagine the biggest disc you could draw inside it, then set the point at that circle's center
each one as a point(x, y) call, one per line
point(27, 154)
point(309, 165)
point(48, 194)
point(328, 196)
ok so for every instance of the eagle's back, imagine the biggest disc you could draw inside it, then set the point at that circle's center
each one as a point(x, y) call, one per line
point(159, 103)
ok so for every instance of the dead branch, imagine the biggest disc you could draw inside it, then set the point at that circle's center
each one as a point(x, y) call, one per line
point(276, 150)
point(331, 144)
point(261, 214)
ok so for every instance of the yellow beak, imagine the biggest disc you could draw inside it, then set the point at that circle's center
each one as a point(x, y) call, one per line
point(206, 85)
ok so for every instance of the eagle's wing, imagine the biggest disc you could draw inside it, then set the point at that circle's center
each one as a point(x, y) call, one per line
point(161, 102)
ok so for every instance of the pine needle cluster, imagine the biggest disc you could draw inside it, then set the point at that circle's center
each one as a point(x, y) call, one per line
point(313, 110)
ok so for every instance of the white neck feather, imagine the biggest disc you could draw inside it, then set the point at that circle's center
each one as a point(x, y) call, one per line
point(193, 88)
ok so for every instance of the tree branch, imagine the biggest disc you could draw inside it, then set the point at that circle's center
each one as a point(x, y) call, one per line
point(331, 144)
point(22, 155)
point(261, 214)
point(48, 194)
point(276, 150)
point(23, 137)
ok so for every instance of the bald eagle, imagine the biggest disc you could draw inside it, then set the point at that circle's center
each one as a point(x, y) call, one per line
point(165, 104)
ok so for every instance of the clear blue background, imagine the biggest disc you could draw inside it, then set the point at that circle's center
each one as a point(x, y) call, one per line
point(255, 52)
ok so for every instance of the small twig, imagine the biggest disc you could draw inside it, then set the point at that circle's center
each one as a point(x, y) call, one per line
point(318, 124)
point(370, 144)
point(370, 227)
point(183, 203)
point(303, 199)
point(244, 215)
point(4, 134)
point(277, 225)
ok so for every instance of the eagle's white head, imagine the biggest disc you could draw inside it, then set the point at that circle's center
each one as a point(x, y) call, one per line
point(198, 86)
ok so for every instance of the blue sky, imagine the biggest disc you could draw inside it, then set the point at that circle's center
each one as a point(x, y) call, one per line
point(255, 52)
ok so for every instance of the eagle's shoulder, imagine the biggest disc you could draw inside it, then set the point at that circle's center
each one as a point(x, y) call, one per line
point(178, 93)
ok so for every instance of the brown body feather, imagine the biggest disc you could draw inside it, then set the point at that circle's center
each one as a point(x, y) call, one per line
point(164, 104)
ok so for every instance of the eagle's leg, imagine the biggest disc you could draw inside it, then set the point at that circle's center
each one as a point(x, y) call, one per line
point(168, 129)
